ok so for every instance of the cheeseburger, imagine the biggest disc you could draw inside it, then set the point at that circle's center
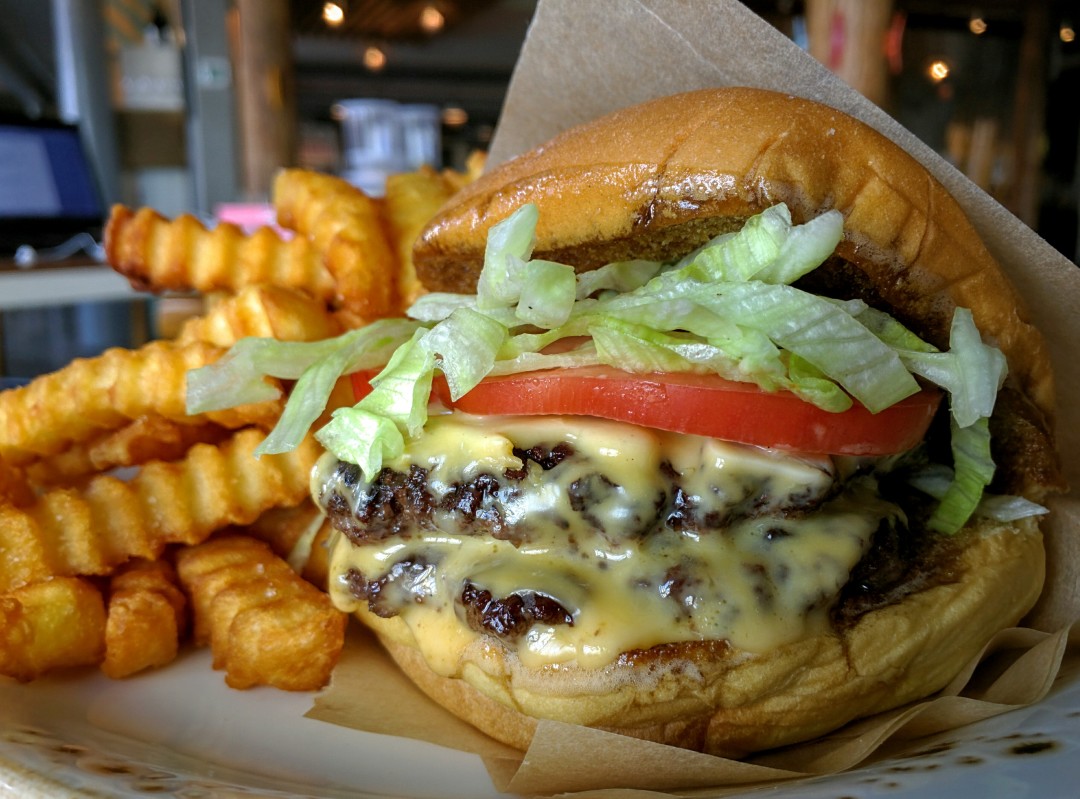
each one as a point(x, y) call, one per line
point(720, 427)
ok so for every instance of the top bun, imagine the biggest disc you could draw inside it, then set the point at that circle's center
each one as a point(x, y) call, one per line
point(658, 179)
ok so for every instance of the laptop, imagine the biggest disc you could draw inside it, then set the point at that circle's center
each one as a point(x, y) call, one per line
point(48, 192)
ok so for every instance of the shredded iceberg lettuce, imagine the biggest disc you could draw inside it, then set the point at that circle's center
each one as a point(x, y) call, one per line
point(547, 298)
point(936, 479)
point(973, 469)
point(509, 245)
point(239, 377)
point(465, 345)
point(374, 429)
point(728, 308)
point(619, 276)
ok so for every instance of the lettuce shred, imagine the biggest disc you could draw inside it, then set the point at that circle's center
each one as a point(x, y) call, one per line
point(728, 308)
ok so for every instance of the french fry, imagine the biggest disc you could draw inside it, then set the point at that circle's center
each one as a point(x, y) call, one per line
point(140, 441)
point(151, 438)
point(93, 529)
point(411, 200)
point(69, 527)
point(284, 528)
point(346, 226)
point(474, 168)
point(65, 468)
point(53, 624)
point(15, 487)
point(305, 202)
point(146, 618)
point(153, 576)
point(292, 642)
point(265, 624)
point(264, 311)
point(224, 555)
point(90, 396)
point(298, 535)
point(182, 254)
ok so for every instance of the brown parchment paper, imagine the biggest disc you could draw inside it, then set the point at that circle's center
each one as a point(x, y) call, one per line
point(583, 59)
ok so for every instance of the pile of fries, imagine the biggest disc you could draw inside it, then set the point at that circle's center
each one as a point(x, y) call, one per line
point(130, 529)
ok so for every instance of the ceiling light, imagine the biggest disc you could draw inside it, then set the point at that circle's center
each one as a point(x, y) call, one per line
point(333, 14)
point(432, 19)
point(977, 25)
point(454, 117)
point(938, 71)
point(374, 58)
point(1067, 33)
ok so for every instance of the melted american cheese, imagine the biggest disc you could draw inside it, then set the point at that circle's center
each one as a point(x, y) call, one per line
point(757, 582)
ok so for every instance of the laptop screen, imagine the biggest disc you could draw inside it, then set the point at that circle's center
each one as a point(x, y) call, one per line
point(47, 189)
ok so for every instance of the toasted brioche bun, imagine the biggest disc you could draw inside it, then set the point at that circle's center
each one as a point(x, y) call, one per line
point(655, 181)
point(658, 179)
point(713, 698)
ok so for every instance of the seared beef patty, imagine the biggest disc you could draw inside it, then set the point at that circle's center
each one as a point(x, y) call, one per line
point(405, 504)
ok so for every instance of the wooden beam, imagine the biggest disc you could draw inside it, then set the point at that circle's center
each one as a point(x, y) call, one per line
point(1029, 113)
point(265, 94)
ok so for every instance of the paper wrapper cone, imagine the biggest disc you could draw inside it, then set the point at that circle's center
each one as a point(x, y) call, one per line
point(584, 59)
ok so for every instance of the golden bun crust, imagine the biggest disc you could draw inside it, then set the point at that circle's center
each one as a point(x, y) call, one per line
point(657, 179)
point(709, 697)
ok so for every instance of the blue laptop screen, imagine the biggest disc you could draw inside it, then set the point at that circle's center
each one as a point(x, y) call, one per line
point(44, 174)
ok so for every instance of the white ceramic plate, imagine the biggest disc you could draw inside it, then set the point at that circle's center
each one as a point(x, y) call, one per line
point(181, 732)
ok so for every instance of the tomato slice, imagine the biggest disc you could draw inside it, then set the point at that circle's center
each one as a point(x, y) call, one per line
point(705, 405)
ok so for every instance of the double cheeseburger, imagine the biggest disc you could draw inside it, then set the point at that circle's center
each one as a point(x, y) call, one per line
point(644, 529)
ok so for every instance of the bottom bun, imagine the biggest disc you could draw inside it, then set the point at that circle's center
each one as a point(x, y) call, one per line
point(710, 697)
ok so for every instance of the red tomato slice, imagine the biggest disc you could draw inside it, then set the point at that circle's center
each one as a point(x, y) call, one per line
point(705, 405)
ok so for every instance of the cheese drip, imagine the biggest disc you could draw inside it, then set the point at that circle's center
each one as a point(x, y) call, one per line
point(629, 567)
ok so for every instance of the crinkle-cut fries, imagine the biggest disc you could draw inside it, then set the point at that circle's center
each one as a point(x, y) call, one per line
point(265, 624)
point(182, 254)
point(129, 527)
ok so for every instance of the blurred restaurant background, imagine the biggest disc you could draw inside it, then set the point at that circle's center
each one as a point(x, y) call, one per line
point(193, 105)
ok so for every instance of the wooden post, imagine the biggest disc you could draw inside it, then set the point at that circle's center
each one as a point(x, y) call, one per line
point(848, 36)
point(1029, 113)
point(266, 99)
